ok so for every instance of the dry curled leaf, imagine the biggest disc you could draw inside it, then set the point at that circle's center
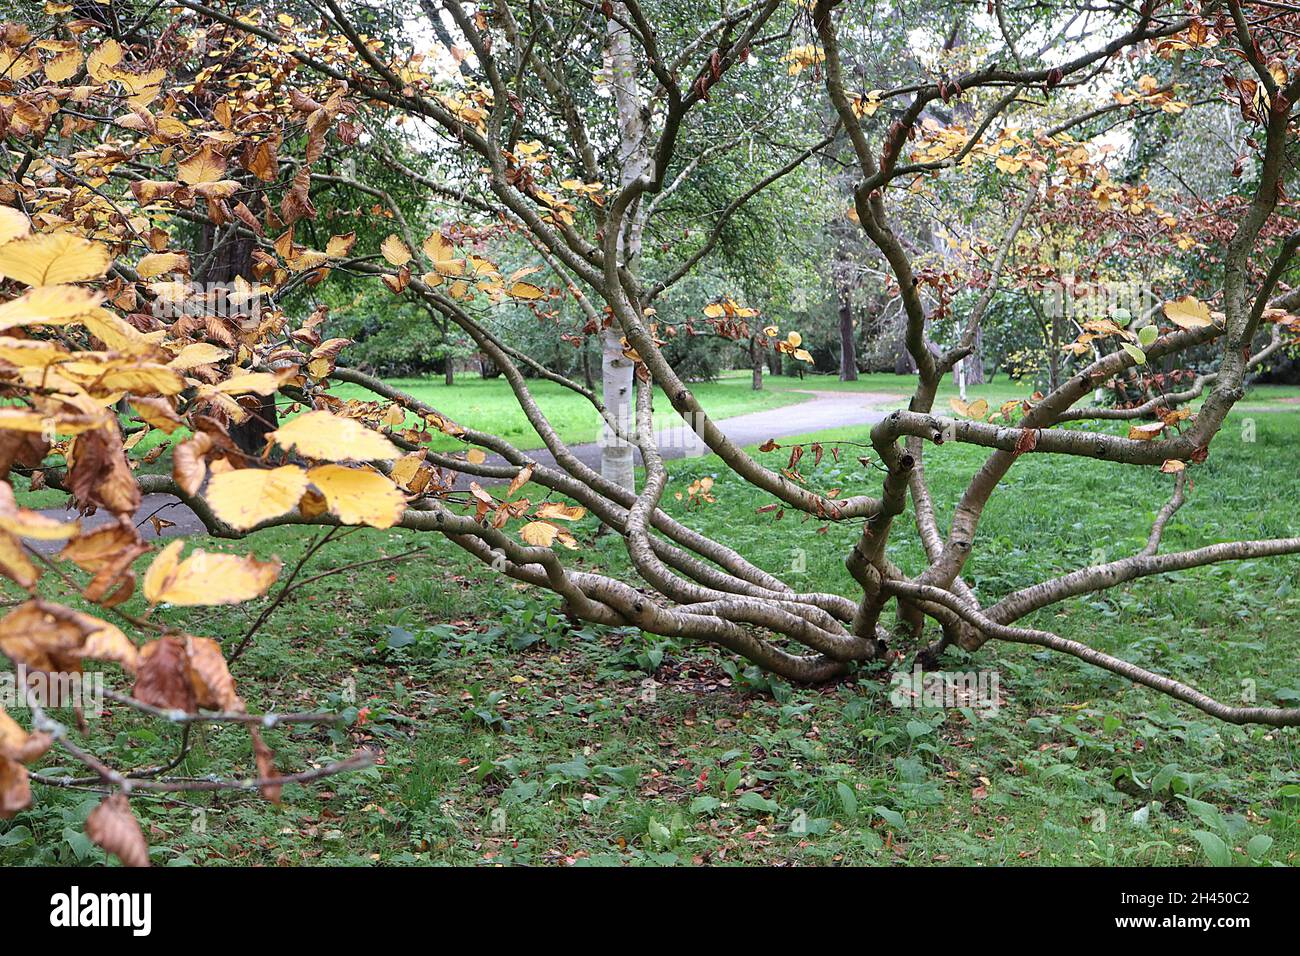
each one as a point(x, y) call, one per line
point(44, 636)
point(113, 826)
point(265, 760)
point(163, 677)
point(189, 465)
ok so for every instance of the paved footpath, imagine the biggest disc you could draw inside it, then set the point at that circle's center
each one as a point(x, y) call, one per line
point(821, 410)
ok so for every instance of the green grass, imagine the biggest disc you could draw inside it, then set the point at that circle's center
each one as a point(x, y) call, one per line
point(508, 734)
point(490, 405)
point(1001, 389)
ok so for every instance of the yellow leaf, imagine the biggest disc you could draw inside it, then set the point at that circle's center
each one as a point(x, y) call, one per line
point(31, 353)
point(555, 509)
point(48, 305)
point(196, 354)
point(1188, 312)
point(156, 263)
point(13, 224)
point(411, 473)
point(142, 378)
point(205, 166)
point(1145, 432)
point(359, 496)
point(438, 249)
point(23, 420)
point(52, 258)
point(63, 66)
point(978, 409)
point(332, 438)
point(526, 290)
point(475, 456)
point(540, 534)
point(31, 524)
point(263, 383)
point(100, 63)
point(395, 251)
point(248, 496)
point(205, 578)
point(340, 246)
point(116, 333)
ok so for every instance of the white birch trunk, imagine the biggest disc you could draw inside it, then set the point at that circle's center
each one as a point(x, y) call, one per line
point(616, 462)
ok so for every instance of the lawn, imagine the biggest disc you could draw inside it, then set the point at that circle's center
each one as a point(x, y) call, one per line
point(490, 405)
point(507, 734)
point(996, 392)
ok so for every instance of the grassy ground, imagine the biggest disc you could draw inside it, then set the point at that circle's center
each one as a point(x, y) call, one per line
point(507, 735)
point(1001, 389)
point(489, 405)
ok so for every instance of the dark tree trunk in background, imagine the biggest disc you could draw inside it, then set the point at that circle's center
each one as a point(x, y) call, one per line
point(488, 368)
point(586, 367)
point(848, 349)
point(233, 258)
point(448, 362)
point(903, 364)
point(756, 361)
point(774, 361)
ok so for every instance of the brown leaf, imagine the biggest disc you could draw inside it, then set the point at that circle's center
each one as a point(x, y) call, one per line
point(112, 826)
point(107, 553)
point(157, 413)
point(265, 764)
point(26, 449)
point(15, 790)
point(188, 465)
point(524, 476)
point(50, 637)
point(297, 203)
point(1027, 441)
point(1145, 432)
point(99, 476)
point(163, 677)
point(214, 688)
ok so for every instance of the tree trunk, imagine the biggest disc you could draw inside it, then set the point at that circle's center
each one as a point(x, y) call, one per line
point(448, 363)
point(903, 364)
point(973, 364)
point(616, 369)
point(234, 259)
point(616, 383)
point(848, 350)
point(586, 366)
point(756, 362)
